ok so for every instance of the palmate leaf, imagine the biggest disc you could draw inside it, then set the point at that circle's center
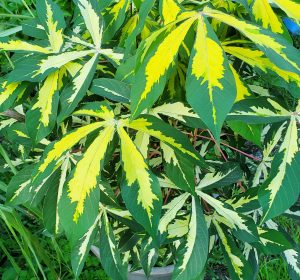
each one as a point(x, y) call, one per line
point(275, 47)
point(210, 83)
point(140, 191)
point(192, 254)
point(239, 268)
point(150, 78)
point(282, 188)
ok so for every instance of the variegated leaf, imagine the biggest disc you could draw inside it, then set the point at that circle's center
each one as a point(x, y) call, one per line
point(292, 258)
point(169, 10)
point(276, 48)
point(166, 133)
point(22, 46)
point(141, 191)
point(172, 208)
point(290, 7)
point(281, 190)
point(210, 83)
point(73, 94)
point(150, 78)
point(88, 170)
point(83, 246)
point(264, 14)
point(193, 253)
point(52, 18)
point(9, 93)
point(110, 257)
point(243, 226)
point(90, 12)
point(239, 268)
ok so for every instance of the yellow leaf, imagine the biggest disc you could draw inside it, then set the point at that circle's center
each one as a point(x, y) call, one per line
point(290, 7)
point(88, 169)
point(242, 90)
point(170, 11)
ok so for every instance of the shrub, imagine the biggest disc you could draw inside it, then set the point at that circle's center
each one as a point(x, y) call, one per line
point(159, 128)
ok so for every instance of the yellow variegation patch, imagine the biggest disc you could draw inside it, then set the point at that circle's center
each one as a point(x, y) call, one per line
point(104, 113)
point(136, 170)
point(88, 170)
point(18, 45)
point(7, 91)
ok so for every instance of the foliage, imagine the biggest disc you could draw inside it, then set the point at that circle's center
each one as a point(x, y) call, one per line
point(157, 129)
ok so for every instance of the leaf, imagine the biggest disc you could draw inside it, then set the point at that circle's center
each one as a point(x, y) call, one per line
point(52, 18)
point(281, 190)
point(110, 257)
point(292, 258)
point(243, 225)
point(90, 12)
point(250, 132)
point(290, 7)
point(141, 191)
point(275, 47)
point(166, 133)
point(81, 250)
point(96, 109)
point(150, 78)
point(10, 31)
point(111, 89)
point(172, 209)
point(242, 90)
point(88, 170)
point(239, 268)
point(21, 46)
point(58, 149)
point(73, 94)
point(273, 241)
point(169, 10)
point(256, 58)
point(192, 258)
point(264, 15)
point(258, 111)
point(227, 175)
point(9, 93)
point(210, 83)
point(149, 255)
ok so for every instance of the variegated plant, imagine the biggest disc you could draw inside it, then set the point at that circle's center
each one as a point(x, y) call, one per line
point(132, 124)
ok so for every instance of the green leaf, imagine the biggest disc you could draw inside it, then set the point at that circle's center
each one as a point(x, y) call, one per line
point(149, 255)
point(192, 254)
point(210, 84)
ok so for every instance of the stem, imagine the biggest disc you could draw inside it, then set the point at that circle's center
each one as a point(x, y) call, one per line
point(28, 9)
point(218, 147)
point(13, 114)
point(16, 16)
point(9, 60)
point(7, 159)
